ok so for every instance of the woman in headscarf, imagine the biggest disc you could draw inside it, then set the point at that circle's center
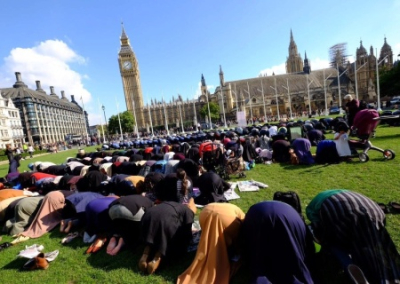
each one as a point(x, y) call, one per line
point(212, 188)
point(352, 227)
point(150, 182)
point(74, 210)
point(276, 245)
point(91, 181)
point(98, 221)
point(220, 223)
point(161, 236)
point(301, 147)
point(126, 213)
point(24, 213)
point(49, 216)
point(280, 152)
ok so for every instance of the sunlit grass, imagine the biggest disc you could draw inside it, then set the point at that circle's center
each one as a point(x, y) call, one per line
point(378, 179)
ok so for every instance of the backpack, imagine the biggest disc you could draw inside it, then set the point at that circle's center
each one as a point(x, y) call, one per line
point(289, 197)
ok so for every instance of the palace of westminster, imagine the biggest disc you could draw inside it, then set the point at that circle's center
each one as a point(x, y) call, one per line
point(33, 116)
point(261, 96)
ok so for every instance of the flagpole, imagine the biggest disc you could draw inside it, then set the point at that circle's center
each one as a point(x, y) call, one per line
point(102, 129)
point(165, 116)
point(119, 120)
point(180, 111)
point(151, 121)
point(84, 121)
point(195, 115)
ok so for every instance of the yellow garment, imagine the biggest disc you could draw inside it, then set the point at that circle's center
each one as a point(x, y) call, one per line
point(220, 224)
point(8, 193)
point(138, 182)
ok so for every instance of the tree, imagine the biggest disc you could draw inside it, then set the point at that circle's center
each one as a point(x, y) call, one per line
point(127, 123)
point(214, 111)
point(390, 81)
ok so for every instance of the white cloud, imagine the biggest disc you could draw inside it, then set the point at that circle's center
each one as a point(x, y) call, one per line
point(277, 69)
point(50, 63)
point(210, 88)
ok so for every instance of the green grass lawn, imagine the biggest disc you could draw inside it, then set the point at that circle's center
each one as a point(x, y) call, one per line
point(377, 179)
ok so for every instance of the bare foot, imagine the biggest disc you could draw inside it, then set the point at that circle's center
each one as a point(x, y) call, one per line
point(111, 245)
point(62, 226)
point(68, 228)
point(116, 250)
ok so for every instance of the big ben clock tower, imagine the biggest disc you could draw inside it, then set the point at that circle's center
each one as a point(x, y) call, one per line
point(129, 69)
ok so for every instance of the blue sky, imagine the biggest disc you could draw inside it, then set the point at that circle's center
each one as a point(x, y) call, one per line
point(73, 45)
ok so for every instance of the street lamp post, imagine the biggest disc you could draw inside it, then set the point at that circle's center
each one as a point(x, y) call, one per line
point(209, 114)
point(251, 107)
point(288, 93)
point(377, 79)
point(105, 118)
point(180, 114)
point(326, 102)
point(223, 107)
point(339, 91)
point(308, 93)
point(276, 98)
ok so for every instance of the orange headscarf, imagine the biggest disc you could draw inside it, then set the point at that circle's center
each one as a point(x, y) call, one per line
point(220, 224)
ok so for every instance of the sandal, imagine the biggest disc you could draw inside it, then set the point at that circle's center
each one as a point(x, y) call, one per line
point(98, 244)
point(20, 239)
point(395, 206)
point(69, 238)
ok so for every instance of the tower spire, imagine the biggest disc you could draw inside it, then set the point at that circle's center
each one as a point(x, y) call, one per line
point(203, 81)
point(291, 35)
point(221, 76)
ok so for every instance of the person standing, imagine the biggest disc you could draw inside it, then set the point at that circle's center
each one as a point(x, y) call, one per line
point(30, 150)
point(352, 107)
point(9, 153)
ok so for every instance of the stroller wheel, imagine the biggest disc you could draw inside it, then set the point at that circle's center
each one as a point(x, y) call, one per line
point(363, 157)
point(388, 154)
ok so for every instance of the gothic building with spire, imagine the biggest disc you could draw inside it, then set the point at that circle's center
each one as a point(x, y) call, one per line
point(298, 92)
point(294, 63)
point(364, 69)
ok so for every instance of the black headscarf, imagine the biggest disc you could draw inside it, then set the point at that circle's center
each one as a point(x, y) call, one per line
point(91, 181)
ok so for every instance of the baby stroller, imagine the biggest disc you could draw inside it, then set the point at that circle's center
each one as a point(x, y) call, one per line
point(212, 156)
point(364, 125)
point(232, 162)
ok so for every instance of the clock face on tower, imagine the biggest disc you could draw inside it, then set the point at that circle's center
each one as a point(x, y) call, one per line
point(127, 65)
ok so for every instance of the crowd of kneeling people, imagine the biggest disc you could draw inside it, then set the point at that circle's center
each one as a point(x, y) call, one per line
point(120, 201)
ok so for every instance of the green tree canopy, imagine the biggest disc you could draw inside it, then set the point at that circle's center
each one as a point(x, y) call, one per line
point(127, 123)
point(390, 81)
point(214, 111)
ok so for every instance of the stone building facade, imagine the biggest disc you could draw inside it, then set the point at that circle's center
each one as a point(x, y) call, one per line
point(300, 91)
point(46, 118)
point(365, 64)
point(10, 124)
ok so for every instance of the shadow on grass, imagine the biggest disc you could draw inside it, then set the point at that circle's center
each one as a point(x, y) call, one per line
point(16, 264)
